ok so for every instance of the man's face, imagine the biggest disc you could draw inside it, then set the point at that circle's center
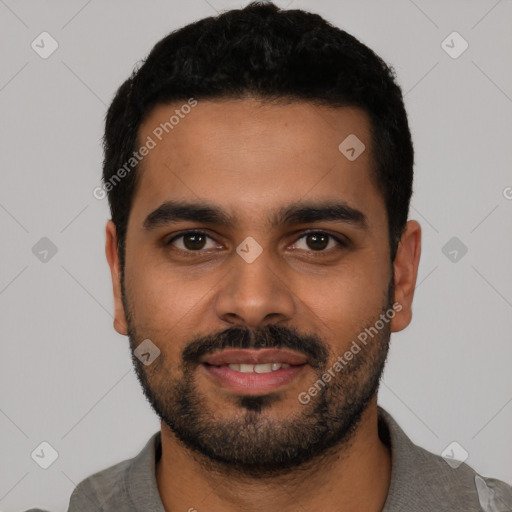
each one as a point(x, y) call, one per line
point(309, 279)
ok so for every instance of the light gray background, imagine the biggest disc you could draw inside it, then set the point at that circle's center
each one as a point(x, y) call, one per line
point(66, 375)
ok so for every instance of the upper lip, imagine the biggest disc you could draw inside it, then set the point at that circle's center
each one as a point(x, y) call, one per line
point(254, 356)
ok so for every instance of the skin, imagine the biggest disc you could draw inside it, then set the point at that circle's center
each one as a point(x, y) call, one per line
point(252, 159)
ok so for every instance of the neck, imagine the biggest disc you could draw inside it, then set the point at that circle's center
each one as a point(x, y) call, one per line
point(352, 476)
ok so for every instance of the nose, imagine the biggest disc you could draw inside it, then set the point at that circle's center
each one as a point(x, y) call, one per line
point(254, 294)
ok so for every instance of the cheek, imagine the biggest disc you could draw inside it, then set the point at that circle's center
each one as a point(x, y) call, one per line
point(345, 304)
point(170, 307)
point(162, 300)
point(161, 309)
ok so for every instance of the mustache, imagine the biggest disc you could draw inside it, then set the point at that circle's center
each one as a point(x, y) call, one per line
point(269, 336)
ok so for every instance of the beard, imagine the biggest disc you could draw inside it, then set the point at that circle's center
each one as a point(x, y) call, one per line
point(252, 442)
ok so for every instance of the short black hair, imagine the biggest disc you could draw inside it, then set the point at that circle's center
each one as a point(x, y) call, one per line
point(271, 54)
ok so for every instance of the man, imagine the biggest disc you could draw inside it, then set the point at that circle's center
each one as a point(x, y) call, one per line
point(258, 167)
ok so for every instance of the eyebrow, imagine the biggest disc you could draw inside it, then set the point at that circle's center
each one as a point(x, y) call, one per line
point(297, 213)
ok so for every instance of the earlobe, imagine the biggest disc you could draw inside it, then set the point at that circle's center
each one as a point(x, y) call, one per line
point(111, 252)
point(405, 268)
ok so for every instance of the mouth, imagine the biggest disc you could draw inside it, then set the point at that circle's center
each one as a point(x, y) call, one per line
point(253, 371)
point(257, 368)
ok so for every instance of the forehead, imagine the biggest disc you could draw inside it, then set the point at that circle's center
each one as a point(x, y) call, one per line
point(248, 155)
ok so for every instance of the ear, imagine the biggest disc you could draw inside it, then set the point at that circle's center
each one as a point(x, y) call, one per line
point(120, 323)
point(405, 270)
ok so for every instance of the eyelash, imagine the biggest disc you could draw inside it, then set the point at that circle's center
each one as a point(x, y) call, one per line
point(340, 242)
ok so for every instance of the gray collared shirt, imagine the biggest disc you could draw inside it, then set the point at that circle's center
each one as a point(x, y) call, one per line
point(420, 482)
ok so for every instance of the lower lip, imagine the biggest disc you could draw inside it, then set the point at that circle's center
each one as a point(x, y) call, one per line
point(253, 383)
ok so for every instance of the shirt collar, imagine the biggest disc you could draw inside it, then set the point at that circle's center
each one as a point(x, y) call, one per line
point(415, 475)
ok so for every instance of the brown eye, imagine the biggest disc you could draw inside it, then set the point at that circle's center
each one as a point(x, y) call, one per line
point(318, 241)
point(192, 241)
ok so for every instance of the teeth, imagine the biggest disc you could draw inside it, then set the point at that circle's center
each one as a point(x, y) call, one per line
point(257, 368)
point(266, 367)
point(246, 368)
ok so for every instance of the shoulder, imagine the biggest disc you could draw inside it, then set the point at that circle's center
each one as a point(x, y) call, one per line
point(494, 495)
point(106, 486)
point(425, 482)
point(460, 487)
point(118, 486)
